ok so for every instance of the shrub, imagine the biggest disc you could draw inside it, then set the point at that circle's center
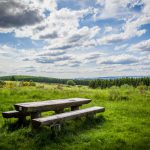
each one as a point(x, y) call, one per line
point(114, 95)
point(71, 82)
point(142, 88)
point(10, 84)
point(40, 87)
point(27, 83)
point(2, 84)
point(24, 83)
point(59, 86)
point(126, 86)
point(31, 83)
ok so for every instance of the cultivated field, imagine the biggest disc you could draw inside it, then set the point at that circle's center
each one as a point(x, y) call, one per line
point(124, 125)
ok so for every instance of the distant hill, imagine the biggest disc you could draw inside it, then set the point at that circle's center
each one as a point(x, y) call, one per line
point(42, 79)
point(111, 77)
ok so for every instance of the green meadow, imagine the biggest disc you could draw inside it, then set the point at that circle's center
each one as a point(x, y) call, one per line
point(125, 124)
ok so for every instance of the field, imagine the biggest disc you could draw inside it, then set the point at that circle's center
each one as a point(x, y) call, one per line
point(124, 125)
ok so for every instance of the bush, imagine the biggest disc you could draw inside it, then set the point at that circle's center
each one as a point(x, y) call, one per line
point(114, 94)
point(2, 84)
point(142, 88)
point(59, 86)
point(126, 86)
point(71, 82)
point(31, 83)
point(10, 84)
point(27, 83)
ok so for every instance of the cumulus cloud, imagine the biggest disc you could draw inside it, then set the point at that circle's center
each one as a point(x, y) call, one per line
point(114, 9)
point(108, 29)
point(121, 47)
point(51, 53)
point(16, 14)
point(118, 59)
point(52, 59)
point(141, 46)
point(132, 22)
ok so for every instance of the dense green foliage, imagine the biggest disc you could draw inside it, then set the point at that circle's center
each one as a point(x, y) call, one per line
point(71, 82)
point(118, 82)
point(124, 125)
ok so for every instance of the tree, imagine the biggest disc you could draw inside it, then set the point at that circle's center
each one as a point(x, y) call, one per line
point(13, 78)
point(71, 82)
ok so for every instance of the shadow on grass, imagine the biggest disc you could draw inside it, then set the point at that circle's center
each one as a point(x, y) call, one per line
point(44, 136)
point(70, 129)
point(11, 126)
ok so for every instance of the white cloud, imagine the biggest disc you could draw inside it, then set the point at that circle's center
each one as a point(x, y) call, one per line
point(123, 59)
point(132, 23)
point(131, 29)
point(114, 9)
point(141, 46)
point(108, 29)
point(121, 47)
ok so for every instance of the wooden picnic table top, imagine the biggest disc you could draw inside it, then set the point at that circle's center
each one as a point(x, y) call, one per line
point(50, 104)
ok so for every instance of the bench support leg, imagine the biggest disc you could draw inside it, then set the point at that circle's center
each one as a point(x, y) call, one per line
point(22, 120)
point(74, 108)
point(90, 116)
point(59, 111)
point(35, 115)
point(56, 129)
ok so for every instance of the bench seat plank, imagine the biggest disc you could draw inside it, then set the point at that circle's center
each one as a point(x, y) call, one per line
point(14, 114)
point(50, 104)
point(50, 120)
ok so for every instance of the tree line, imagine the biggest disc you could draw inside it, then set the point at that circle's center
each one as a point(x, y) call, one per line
point(43, 79)
point(97, 83)
point(106, 83)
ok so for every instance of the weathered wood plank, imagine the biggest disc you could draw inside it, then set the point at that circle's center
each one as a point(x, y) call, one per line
point(50, 104)
point(14, 114)
point(59, 118)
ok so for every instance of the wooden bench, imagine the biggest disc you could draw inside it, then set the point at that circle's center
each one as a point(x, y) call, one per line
point(60, 118)
point(15, 114)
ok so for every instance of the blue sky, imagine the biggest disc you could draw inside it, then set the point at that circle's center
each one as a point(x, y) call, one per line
point(71, 39)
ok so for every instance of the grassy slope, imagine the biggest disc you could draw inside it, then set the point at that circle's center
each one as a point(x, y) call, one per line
point(124, 125)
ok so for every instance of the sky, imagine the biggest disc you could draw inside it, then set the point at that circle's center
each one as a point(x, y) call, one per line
point(75, 38)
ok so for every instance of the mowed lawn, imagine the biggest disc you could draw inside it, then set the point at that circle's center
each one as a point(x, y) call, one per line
point(124, 125)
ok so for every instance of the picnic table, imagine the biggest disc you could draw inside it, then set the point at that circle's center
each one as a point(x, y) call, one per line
point(34, 110)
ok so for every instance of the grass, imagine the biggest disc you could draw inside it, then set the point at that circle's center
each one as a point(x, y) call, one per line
point(124, 125)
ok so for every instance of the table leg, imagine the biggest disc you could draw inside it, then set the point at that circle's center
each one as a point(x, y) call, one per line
point(74, 108)
point(56, 129)
point(22, 120)
point(35, 115)
point(59, 111)
point(90, 116)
